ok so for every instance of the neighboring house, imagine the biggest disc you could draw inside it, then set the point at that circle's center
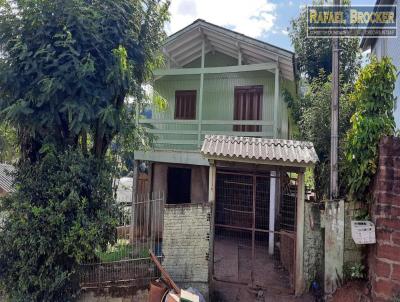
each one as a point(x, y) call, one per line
point(6, 179)
point(224, 142)
point(389, 47)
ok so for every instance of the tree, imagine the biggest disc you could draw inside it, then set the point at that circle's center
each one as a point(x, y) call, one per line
point(373, 118)
point(312, 112)
point(314, 54)
point(8, 143)
point(69, 66)
point(66, 70)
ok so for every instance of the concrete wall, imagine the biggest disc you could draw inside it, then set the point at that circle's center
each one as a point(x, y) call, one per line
point(117, 296)
point(313, 245)
point(353, 253)
point(334, 245)
point(199, 185)
point(384, 256)
point(186, 244)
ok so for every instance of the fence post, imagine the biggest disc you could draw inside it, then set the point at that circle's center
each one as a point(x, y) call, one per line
point(133, 201)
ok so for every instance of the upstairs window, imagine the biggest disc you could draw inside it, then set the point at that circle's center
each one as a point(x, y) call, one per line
point(185, 104)
point(248, 107)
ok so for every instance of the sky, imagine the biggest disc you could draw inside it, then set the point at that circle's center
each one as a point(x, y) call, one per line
point(267, 20)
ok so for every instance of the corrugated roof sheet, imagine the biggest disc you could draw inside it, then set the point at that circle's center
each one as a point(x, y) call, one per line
point(6, 179)
point(259, 149)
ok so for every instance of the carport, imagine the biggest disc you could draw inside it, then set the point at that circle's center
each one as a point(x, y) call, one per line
point(257, 191)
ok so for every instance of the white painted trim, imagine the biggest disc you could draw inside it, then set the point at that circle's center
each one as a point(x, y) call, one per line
point(261, 161)
point(172, 156)
point(200, 117)
point(208, 122)
point(210, 70)
point(276, 103)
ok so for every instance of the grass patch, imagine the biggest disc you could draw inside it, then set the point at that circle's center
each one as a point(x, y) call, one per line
point(122, 250)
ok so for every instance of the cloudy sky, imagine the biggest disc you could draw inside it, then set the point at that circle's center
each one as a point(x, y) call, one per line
point(267, 20)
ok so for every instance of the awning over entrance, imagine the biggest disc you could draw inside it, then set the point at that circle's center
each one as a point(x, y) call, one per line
point(249, 175)
point(270, 151)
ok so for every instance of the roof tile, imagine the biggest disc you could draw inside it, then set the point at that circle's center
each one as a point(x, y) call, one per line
point(259, 148)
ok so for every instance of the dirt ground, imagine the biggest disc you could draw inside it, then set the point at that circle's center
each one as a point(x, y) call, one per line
point(226, 292)
point(354, 291)
point(233, 265)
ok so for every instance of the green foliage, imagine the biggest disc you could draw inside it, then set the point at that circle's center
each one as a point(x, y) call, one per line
point(122, 249)
point(61, 213)
point(8, 143)
point(355, 271)
point(67, 67)
point(312, 112)
point(374, 101)
point(66, 70)
point(314, 54)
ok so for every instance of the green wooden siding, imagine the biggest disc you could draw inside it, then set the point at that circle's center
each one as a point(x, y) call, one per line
point(218, 103)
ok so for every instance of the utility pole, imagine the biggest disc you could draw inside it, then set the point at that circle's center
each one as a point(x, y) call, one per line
point(334, 184)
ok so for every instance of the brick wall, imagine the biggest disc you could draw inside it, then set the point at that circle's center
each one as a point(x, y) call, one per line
point(186, 244)
point(384, 257)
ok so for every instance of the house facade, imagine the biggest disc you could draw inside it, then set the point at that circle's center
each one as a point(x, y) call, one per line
point(233, 179)
point(216, 82)
point(387, 47)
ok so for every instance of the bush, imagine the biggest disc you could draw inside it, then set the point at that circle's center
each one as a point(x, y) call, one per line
point(374, 101)
point(62, 211)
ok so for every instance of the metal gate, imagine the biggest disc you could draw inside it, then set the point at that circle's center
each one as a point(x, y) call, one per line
point(251, 246)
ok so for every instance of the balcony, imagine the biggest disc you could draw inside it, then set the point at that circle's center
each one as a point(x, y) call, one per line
point(189, 134)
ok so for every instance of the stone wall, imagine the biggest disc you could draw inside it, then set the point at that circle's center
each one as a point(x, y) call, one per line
point(186, 244)
point(384, 257)
point(313, 244)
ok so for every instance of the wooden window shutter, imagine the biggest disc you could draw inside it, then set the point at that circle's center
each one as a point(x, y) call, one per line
point(248, 106)
point(185, 104)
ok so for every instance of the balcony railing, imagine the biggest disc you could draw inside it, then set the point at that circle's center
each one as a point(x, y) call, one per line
point(189, 134)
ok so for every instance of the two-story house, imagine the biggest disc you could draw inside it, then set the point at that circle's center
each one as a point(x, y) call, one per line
point(224, 140)
point(387, 47)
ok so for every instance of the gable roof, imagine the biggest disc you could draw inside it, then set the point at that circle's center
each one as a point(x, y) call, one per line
point(185, 45)
point(276, 151)
point(6, 179)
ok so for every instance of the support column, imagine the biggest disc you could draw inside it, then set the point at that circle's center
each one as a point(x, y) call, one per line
point(211, 198)
point(272, 209)
point(276, 103)
point(200, 117)
point(133, 200)
point(299, 275)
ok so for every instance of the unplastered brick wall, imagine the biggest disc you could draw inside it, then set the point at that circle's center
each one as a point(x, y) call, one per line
point(384, 256)
point(186, 244)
